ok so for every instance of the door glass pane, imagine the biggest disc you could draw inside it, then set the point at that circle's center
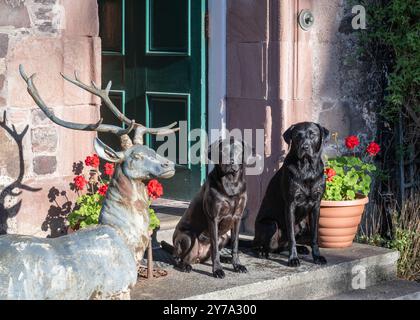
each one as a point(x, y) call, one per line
point(168, 25)
point(113, 69)
point(164, 110)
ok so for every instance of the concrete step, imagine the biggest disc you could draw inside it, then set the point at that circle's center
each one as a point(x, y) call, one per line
point(272, 278)
point(169, 213)
point(389, 290)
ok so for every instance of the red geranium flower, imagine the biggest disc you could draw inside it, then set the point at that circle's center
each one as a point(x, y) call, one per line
point(109, 169)
point(154, 189)
point(79, 182)
point(373, 149)
point(352, 142)
point(103, 189)
point(92, 161)
point(330, 172)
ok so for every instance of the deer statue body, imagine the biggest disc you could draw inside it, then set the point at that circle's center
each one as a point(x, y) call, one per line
point(100, 261)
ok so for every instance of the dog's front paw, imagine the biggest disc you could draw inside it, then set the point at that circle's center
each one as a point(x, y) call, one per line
point(184, 267)
point(302, 250)
point(219, 273)
point(320, 260)
point(239, 268)
point(263, 254)
point(294, 262)
point(187, 268)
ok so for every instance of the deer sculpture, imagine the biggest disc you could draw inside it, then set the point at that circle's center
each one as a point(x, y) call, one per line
point(99, 262)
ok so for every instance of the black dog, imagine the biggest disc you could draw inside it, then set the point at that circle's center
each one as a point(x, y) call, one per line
point(293, 195)
point(215, 210)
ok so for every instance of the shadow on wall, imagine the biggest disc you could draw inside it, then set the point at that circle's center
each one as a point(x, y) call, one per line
point(14, 189)
point(345, 87)
point(55, 222)
point(61, 207)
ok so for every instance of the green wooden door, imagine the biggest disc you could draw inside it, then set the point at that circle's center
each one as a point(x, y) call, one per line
point(154, 51)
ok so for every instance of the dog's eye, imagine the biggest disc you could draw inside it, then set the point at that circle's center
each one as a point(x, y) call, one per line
point(311, 135)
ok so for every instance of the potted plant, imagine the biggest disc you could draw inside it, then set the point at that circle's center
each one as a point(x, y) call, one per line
point(347, 189)
point(91, 192)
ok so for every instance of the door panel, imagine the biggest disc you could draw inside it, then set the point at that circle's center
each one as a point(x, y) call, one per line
point(168, 108)
point(157, 66)
point(167, 27)
point(112, 34)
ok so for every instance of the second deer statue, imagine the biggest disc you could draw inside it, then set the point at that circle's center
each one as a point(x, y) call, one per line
point(101, 261)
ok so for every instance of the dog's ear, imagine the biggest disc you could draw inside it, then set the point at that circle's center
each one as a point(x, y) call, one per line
point(324, 135)
point(287, 136)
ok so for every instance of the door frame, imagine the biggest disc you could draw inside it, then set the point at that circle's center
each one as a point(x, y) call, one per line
point(216, 118)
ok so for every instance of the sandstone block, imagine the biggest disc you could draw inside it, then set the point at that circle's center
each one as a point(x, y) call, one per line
point(247, 21)
point(246, 70)
point(40, 55)
point(81, 17)
point(44, 165)
point(17, 16)
point(78, 56)
point(44, 139)
point(74, 146)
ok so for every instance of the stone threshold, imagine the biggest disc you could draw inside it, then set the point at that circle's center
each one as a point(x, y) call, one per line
point(169, 212)
point(272, 278)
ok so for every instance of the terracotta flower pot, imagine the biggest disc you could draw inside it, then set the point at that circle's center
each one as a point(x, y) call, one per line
point(339, 221)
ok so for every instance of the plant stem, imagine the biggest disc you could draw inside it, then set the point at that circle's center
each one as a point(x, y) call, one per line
point(150, 260)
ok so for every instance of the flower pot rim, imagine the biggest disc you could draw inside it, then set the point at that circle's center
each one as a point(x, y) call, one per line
point(362, 200)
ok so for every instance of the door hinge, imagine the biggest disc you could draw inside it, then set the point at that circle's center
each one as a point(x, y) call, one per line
point(207, 25)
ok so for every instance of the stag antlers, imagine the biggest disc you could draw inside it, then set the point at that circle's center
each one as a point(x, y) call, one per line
point(126, 142)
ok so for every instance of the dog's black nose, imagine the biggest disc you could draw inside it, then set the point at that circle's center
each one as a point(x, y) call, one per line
point(305, 147)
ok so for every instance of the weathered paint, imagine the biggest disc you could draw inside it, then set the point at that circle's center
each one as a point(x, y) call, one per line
point(90, 262)
point(98, 262)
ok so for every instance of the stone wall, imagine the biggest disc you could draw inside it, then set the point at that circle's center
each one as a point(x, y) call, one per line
point(47, 37)
point(264, 50)
point(345, 92)
point(278, 74)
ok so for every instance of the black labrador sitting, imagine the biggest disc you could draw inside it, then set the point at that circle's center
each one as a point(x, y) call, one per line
point(294, 195)
point(214, 211)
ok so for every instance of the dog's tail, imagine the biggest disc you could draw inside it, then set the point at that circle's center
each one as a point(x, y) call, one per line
point(167, 247)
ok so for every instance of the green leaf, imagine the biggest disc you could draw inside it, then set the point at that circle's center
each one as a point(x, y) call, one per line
point(87, 214)
point(351, 195)
point(154, 220)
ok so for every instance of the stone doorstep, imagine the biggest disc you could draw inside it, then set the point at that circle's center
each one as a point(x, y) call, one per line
point(169, 212)
point(272, 279)
point(389, 290)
